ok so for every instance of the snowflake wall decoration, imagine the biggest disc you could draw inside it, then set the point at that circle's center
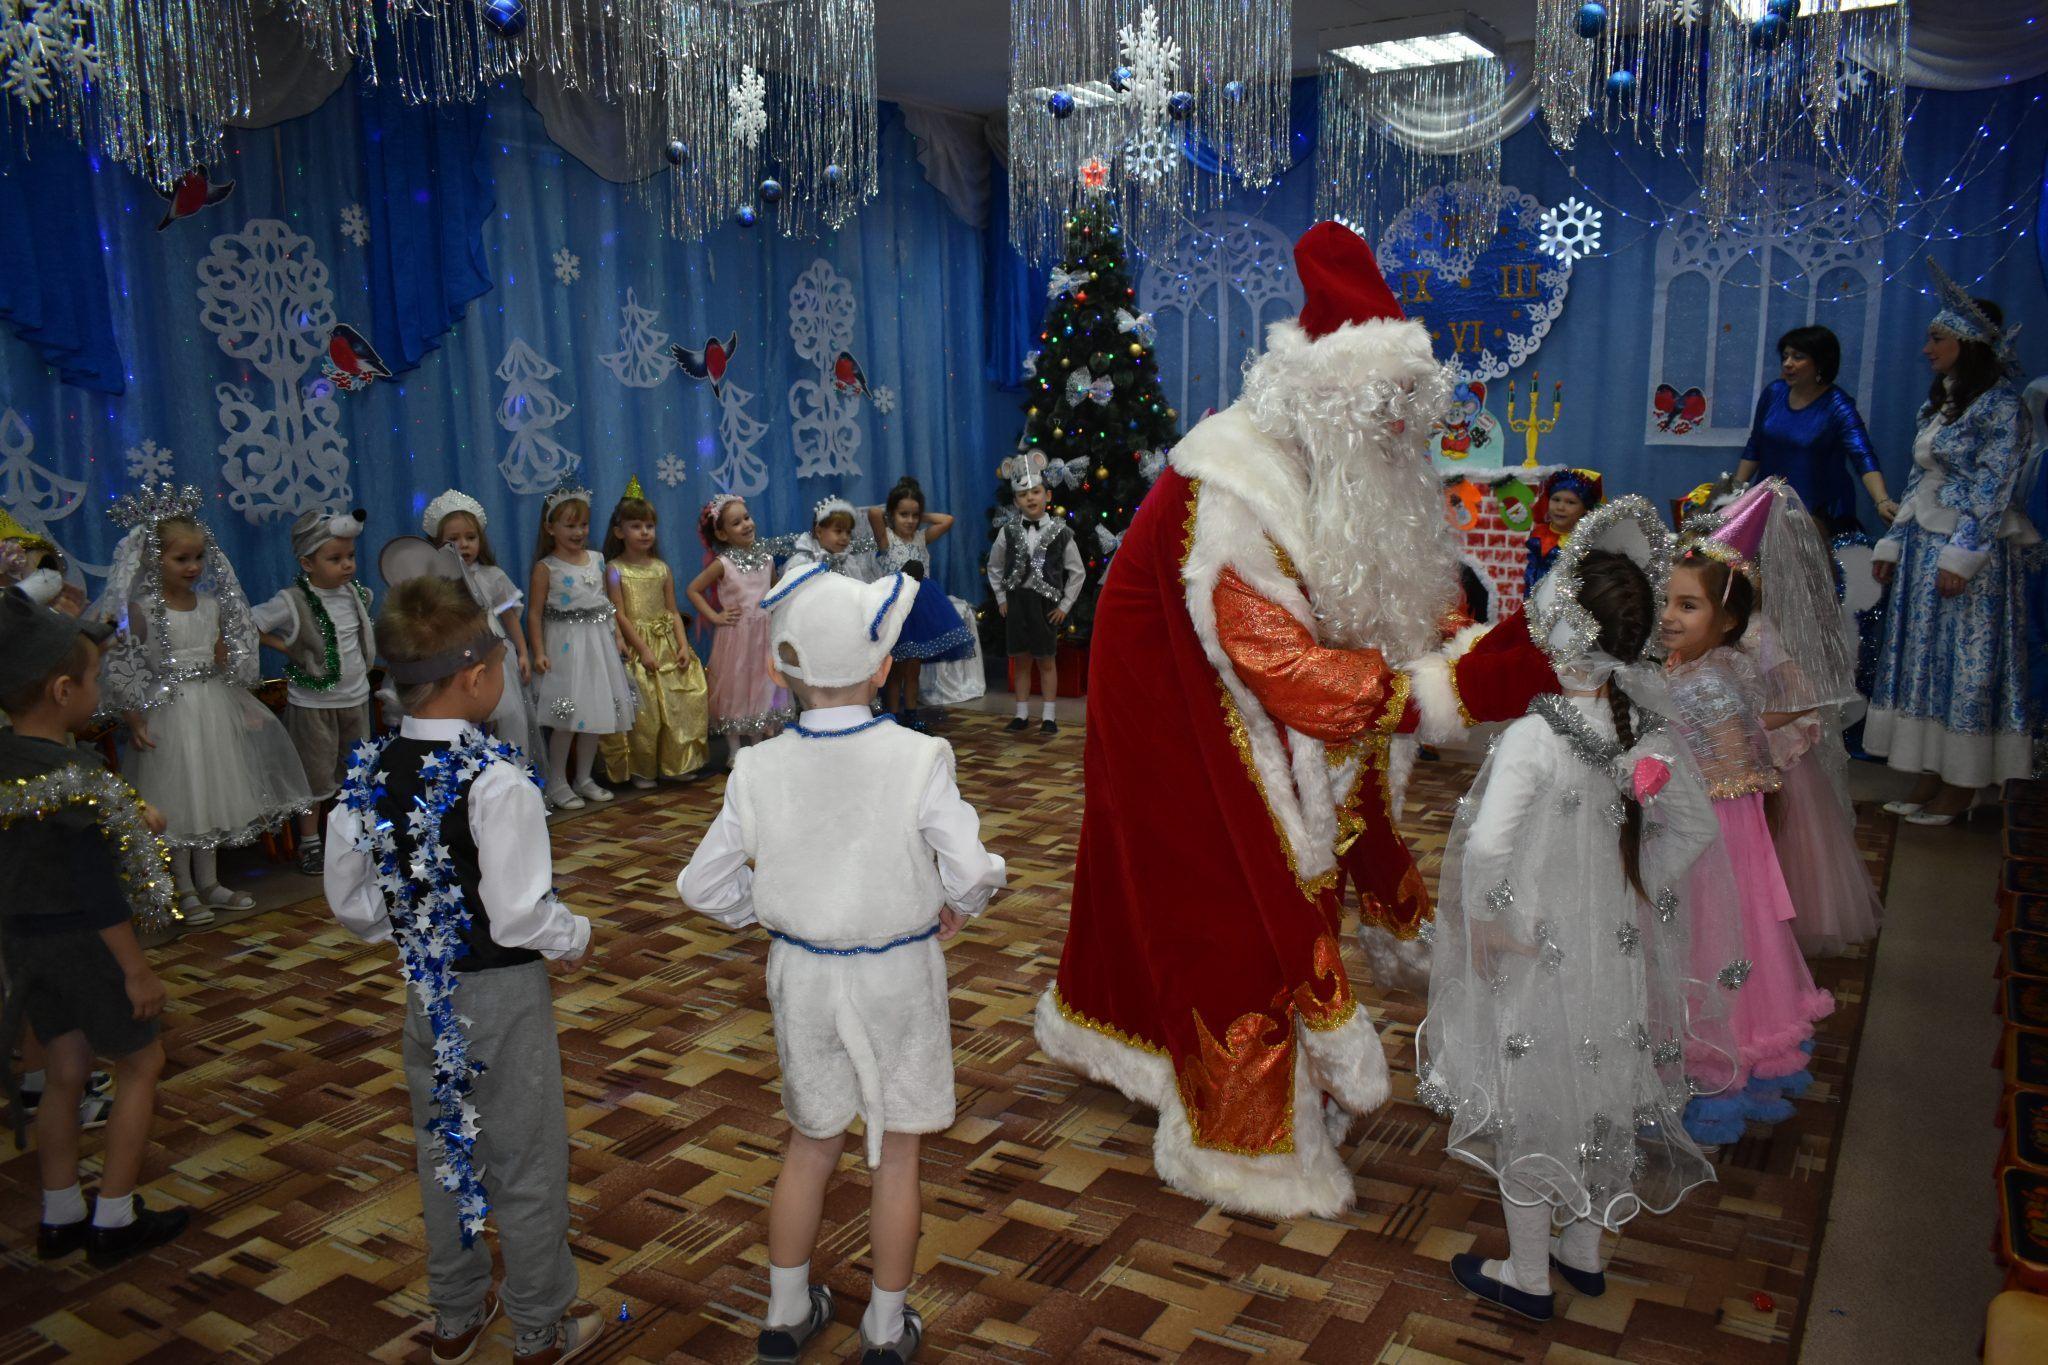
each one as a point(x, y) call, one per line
point(883, 397)
point(41, 42)
point(1570, 230)
point(355, 224)
point(671, 470)
point(749, 107)
point(149, 463)
point(568, 266)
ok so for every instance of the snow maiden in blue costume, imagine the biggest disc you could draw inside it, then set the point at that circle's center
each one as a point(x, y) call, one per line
point(1949, 700)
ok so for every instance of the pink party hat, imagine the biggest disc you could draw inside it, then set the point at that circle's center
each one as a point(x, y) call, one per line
point(1739, 535)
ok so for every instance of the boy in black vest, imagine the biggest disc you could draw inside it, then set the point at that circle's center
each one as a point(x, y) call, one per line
point(440, 843)
point(1036, 573)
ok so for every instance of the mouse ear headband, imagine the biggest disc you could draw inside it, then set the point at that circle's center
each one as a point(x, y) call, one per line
point(401, 561)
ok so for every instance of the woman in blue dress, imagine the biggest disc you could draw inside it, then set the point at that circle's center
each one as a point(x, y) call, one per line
point(1808, 432)
point(1950, 695)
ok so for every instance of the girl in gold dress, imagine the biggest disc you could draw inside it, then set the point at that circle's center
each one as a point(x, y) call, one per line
point(668, 737)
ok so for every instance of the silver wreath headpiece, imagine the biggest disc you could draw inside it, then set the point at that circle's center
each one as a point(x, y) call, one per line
point(1626, 525)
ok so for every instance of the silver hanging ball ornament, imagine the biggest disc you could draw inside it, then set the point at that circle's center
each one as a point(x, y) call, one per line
point(677, 152)
point(771, 190)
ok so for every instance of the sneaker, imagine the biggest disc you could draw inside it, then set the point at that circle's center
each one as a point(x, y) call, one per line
point(110, 1246)
point(1018, 725)
point(57, 1240)
point(460, 1347)
point(574, 1334)
point(894, 1352)
point(312, 858)
point(96, 1086)
point(563, 798)
point(1048, 727)
point(93, 1111)
point(590, 791)
point(783, 1345)
point(1465, 1269)
point(1591, 1283)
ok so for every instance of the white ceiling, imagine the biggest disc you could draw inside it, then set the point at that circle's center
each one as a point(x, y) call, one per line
point(955, 54)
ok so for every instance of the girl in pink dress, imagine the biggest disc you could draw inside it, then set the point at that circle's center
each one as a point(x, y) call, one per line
point(1718, 699)
point(745, 704)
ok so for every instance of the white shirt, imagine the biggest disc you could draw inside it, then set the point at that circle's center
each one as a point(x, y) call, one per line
point(1034, 532)
point(510, 825)
point(719, 883)
point(280, 617)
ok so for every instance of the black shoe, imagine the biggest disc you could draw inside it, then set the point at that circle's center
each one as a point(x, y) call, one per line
point(1048, 727)
point(783, 1345)
point(111, 1246)
point(1465, 1269)
point(1017, 725)
point(312, 858)
point(1591, 1283)
point(894, 1352)
point(54, 1240)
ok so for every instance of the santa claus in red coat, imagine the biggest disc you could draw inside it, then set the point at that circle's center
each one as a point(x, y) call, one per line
point(1281, 622)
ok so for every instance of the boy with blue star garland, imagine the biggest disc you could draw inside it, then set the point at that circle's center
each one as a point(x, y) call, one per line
point(440, 844)
point(864, 857)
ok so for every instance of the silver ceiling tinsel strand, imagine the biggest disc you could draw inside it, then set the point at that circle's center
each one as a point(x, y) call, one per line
point(1369, 161)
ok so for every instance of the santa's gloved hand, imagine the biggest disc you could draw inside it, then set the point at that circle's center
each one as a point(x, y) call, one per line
point(1503, 672)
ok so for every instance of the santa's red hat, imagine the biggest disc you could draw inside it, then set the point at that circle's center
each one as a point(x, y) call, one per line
point(1341, 281)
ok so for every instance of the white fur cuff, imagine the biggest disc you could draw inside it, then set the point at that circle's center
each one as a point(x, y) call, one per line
point(1887, 551)
point(1960, 561)
point(1436, 697)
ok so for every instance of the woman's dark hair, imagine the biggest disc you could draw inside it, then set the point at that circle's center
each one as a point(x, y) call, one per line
point(1977, 368)
point(1617, 592)
point(1817, 344)
point(906, 488)
point(1738, 599)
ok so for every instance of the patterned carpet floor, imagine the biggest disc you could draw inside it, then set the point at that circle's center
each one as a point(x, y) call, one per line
point(1047, 1238)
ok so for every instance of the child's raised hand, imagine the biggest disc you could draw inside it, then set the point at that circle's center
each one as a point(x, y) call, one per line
point(728, 616)
point(138, 731)
point(950, 922)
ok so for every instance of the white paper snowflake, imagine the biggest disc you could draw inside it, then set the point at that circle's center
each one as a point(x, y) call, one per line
point(883, 397)
point(1154, 62)
point(671, 470)
point(355, 224)
point(1687, 12)
point(1571, 230)
point(1850, 80)
point(149, 463)
point(568, 266)
point(749, 107)
point(1150, 159)
point(41, 42)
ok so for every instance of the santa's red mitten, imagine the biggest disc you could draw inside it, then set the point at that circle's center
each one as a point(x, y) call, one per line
point(1502, 673)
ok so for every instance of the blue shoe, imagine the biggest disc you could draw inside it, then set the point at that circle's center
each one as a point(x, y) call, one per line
point(1535, 1307)
point(1589, 1283)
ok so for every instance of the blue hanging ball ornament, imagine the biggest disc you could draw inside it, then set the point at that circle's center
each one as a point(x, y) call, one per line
point(1621, 84)
point(1120, 79)
point(1180, 104)
point(1592, 19)
point(1061, 103)
point(507, 18)
point(771, 190)
point(747, 217)
point(677, 153)
point(1768, 31)
point(835, 173)
point(1233, 91)
point(1788, 10)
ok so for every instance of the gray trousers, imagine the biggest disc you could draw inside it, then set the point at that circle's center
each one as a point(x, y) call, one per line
point(522, 1151)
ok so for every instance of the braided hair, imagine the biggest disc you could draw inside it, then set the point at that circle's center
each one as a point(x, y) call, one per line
point(1617, 592)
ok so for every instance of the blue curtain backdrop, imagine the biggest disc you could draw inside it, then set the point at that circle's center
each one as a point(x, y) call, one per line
point(424, 181)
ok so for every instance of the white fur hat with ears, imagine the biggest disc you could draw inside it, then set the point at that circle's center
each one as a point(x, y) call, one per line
point(840, 630)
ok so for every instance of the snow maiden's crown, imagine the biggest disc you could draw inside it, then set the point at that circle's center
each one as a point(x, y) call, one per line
point(155, 502)
point(827, 505)
point(1962, 319)
point(447, 505)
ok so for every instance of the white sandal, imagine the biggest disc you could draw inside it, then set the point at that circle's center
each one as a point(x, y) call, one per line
point(191, 912)
point(220, 898)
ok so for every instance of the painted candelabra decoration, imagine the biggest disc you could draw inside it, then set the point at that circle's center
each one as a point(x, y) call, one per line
point(1533, 428)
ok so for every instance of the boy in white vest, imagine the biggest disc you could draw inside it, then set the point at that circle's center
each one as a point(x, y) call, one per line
point(322, 626)
point(864, 858)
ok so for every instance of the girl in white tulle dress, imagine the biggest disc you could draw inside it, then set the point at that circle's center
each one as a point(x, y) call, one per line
point(580, 686)
point(201, 748)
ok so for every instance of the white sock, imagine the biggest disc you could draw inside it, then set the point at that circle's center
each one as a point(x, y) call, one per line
point(1023, 708)
point(181, 870)
point(789, 1294)
point(558, 757)
point(206, 868)
point(586, 758)
point(114, 1211)
point(63, 1206)
point(1578, 1246)
point(1528, 1247)
point(1051, 709)
point(883, 1322)
point(32, 1081)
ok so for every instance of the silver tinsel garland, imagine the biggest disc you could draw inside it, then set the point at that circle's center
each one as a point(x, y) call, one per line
point(144, 862)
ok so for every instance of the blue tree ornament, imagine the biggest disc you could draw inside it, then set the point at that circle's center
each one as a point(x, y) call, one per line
point(677, 152)
point(834, 173)
point(771, 190)
point(1060, 103)
point(1233, 91)
point(1621, 84)
point(1788, 10)
point(1180, 104)
point(1768, 31)
point(507, 18)
point(746, 216)
point(1120, 79)
point(1592, 19)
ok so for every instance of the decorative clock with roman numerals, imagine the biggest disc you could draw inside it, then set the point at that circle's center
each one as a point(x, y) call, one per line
point(1467, 260)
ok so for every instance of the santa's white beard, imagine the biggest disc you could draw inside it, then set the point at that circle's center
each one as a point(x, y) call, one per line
point(1380, 566)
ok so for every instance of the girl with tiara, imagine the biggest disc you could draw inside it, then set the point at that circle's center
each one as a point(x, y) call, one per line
point(580, 689)
point(1566, 1029)
point(668, 735)
point(201, 748)
point(456, 519)
point(1718, 700)
point(746, 705)
point(836, 541)
point(904, 532)
point(1567, 496)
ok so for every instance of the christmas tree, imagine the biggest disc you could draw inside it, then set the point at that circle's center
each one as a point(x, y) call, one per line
point(1093, 404)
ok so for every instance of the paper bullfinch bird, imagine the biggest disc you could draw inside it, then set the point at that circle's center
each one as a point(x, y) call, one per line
point(191, 193)
point(351, 363)
point(1677, 414)
point(847, 376)
point(708, 363)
